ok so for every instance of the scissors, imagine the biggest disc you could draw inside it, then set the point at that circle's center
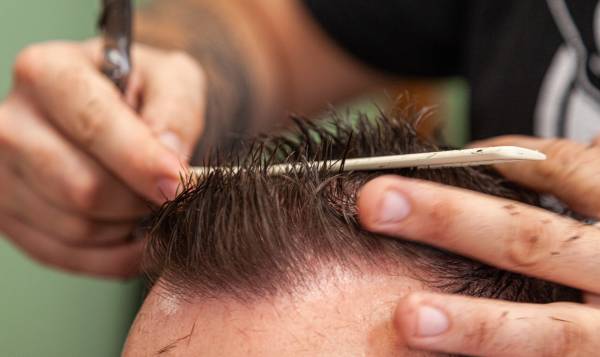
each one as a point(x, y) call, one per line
point(116, 25)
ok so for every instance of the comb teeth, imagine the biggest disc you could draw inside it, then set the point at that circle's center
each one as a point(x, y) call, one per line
point(426, 160)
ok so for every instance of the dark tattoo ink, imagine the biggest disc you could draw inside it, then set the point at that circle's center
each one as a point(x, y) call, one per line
point(200, 30)
point(229, 99)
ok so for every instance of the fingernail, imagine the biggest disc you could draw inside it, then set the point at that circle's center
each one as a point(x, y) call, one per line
point(394, 207)
point(172, 141)
point(167, 188)
point(431, 322)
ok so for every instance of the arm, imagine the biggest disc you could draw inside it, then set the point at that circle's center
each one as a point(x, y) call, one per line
point(262, 58)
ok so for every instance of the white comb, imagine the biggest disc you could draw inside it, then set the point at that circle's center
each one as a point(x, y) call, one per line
point(426, 160)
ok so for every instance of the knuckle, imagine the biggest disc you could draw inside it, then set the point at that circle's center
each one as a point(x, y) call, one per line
point(443, 213)
point(479, 335)
point(90, 122)
point(561, 154)
point(529, 244)
point(28, 62)
point(34, 60)
point(83, 193)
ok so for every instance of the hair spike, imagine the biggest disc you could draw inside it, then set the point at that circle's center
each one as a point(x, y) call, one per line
point(247, 234)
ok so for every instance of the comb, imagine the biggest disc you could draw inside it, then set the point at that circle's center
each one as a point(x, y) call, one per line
point(426, 160)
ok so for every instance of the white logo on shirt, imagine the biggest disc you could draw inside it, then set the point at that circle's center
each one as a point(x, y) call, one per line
point(569, 101)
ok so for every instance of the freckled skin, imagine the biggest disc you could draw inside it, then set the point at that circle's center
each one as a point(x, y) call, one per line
point(348, 317)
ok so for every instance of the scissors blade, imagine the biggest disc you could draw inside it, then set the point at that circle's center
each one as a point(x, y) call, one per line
point(116, 25)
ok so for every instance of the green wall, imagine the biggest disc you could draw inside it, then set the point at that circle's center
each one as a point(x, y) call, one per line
point(42, 312)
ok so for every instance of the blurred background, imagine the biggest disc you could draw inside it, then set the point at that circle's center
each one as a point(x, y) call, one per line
point(48, 313)
point(43, 312)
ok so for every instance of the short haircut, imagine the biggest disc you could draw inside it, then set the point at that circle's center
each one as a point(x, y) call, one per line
point(248, 235)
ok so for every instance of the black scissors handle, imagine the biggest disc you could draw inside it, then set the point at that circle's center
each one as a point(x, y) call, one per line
point(116, 24)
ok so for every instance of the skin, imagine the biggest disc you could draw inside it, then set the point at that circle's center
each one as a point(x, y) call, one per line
point(344, 316)
point(518, 238)
point(78, 212)
point(116, 153)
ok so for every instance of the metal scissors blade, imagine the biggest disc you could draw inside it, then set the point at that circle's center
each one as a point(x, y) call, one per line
point(116, 25)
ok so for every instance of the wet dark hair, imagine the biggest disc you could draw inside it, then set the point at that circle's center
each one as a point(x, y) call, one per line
point(249, 235)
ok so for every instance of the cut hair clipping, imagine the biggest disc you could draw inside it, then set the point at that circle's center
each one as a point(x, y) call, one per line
point(426, 160)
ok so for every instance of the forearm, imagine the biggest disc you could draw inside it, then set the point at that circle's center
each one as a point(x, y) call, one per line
point(263, 58)
point(204, 30)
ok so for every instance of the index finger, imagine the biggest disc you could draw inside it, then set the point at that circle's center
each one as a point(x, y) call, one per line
point(568, 173)
point(500, 232)
point(89, 110)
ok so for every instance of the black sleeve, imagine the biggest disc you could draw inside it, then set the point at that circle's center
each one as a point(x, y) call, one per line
point(404, 37)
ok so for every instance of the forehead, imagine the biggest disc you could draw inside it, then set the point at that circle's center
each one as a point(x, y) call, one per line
point(350, 318)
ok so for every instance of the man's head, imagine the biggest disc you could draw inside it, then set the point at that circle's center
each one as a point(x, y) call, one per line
point(247, 263)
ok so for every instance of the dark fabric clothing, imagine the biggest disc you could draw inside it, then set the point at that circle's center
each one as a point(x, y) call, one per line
point(503, 48)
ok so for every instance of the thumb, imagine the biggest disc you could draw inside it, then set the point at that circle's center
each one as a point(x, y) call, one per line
point(174, 101)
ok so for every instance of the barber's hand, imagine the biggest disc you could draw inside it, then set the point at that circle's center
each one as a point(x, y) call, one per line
point(79, 163)
point(508, 235)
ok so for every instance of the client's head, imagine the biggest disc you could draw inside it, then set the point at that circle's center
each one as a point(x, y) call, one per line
point(244, 263)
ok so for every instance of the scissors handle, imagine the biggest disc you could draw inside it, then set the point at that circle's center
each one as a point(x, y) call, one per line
point(116, 23)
